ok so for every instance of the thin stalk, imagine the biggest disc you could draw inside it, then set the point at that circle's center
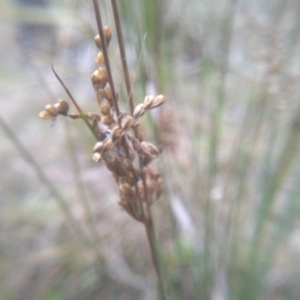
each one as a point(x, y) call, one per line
point(122, 53)
point(81, 113)
point(148, 222)
point(105, 54)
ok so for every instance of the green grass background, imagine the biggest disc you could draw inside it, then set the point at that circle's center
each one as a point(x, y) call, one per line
point(228, 223)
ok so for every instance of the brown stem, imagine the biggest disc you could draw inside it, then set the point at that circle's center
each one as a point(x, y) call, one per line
point(123, 59)
point(122, 53)
point(151, 238)
point(148, 222)
point(105, 54)
point(81, 113)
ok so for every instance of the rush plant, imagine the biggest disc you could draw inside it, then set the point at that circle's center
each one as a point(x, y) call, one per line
point(119, 143)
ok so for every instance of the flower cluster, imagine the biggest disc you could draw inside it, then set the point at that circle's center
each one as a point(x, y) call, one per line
point(119, 145)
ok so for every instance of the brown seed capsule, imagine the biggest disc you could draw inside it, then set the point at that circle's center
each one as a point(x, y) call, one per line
point(107, 120)
point(138, 111)
point(44, 115)
point(158, 101)
point(149, 149)
point(108, 145)
point(51, 110)
point(98, 147)
point(127, 164)
point(111, 163)
point(136, 144)
point(107, 34)
point(148, 101)
point(108, 94)
point(100, 95)
point(99, 78)
point(63, 107)
point(98, 42)
point(97, 157)
point(127, 122)
point(117, 132)
point(105, 109)
point(100, 59)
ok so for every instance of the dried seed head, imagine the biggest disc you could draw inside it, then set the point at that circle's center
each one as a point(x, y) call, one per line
point(100, 59)
point(138, 111)
point(99, 78)
point(105, 109)
point(148, 101)
point(44, 115)
point(149, 149)
point(107, 34)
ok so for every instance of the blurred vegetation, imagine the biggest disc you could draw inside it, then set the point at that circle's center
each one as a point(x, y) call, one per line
point(228, 223)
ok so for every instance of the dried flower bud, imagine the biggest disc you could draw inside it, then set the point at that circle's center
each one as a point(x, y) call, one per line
point(149, 149)
point(148, 101)
point(99, 78)
point(45, 115)
point(158, 101)
point(100, 59)
point(138, 111)
point(107, 34)
point(105, 109)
